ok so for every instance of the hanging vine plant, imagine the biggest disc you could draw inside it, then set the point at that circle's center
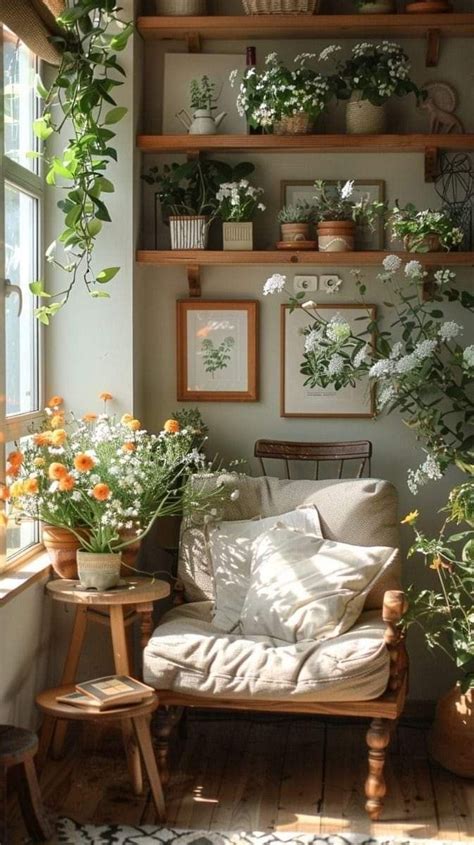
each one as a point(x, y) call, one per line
point(80, 101)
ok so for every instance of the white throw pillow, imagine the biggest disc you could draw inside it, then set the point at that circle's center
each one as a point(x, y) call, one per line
point(231, 551)
point(303, 587)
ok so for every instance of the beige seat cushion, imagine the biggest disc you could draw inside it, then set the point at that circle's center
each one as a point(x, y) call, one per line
point(188, 655)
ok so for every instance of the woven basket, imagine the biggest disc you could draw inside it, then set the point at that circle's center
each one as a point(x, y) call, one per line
point(177, 8)
point(294, 124)
point(281, 7)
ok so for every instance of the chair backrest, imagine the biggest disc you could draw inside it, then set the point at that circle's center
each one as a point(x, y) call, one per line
point(289, 450)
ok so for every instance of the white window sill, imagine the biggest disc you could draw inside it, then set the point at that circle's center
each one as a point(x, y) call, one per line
point(13, 581)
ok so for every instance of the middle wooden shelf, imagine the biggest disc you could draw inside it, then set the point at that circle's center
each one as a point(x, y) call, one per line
point(255, 258)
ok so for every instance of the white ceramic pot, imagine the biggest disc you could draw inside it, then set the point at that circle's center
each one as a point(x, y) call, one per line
point(98, 570)
point(189, 232)
point(202, 122)
point(237, 236)
point(363, 118)
point(379, 7)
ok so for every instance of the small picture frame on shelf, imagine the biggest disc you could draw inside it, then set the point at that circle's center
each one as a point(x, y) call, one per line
point(217, 350)
point(300, 400)
point(294, 190)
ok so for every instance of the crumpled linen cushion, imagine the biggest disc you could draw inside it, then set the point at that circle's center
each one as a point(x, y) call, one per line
point(187, 654)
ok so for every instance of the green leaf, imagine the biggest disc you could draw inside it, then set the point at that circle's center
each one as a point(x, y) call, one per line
point(40, 89)
point(106, 275)
point(73, 216)
point(36, 289)
point(94, 226)
point(59, 168)
point(116, 114)
point(100, 294)
point(42, 129)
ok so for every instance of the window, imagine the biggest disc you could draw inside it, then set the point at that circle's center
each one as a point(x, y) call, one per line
point(21, 202)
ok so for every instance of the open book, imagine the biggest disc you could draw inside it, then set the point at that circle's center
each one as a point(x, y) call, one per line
point(108, 692)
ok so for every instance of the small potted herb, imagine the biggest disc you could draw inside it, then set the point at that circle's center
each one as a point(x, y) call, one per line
point(203, 103)
point(295, 221)
point(238, 203)
point(424, 231)
point(337, 213)
point(375, 7)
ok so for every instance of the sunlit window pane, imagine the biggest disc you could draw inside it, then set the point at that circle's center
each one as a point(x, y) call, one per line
point(19, 535)
point(19, 66)
point(21, 331)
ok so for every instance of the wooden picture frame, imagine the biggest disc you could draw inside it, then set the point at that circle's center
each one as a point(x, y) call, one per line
point(217, 349)
point(294, 189)
point(296, 400)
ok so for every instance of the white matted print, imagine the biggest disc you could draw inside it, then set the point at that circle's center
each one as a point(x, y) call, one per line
point(217, 350)
point(181, 69)
point(300, 400)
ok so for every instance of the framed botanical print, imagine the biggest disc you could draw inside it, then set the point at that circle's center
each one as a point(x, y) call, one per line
point(294, 191)
point(300, 400)
point(217, 350)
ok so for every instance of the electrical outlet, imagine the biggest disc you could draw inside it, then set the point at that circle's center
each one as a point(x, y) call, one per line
point(305, 283)
point(330, 283)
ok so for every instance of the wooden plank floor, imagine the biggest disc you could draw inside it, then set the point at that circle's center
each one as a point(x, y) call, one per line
point(267, 773)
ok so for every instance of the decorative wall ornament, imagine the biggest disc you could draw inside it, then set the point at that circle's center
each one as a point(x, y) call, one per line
point(455, 186)
point(440, 104)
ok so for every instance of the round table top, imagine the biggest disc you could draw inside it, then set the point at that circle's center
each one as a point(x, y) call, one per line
point(138, 590)
point(46, 702)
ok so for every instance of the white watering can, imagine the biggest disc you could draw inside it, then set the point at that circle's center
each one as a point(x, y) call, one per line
point(202, 122)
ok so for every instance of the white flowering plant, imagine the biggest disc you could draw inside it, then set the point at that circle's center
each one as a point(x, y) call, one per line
point(336, 202)
point(376, 72)
point(267, 96)
point(414, 226)
point(238, 201)
point(106, 480)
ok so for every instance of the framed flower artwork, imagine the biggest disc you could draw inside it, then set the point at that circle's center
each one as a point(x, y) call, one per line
point(302, 399)
point(217, 350)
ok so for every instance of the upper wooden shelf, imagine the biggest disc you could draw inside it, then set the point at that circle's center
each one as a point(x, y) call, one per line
point(208, 258)
point(237, 27)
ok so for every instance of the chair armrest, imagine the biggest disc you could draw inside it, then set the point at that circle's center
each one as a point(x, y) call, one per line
point(394, 606)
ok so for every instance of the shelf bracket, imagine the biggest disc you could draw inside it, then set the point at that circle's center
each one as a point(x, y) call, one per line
point(433, 42)
point(431, 164)
point(194, 280)
point(193, 42)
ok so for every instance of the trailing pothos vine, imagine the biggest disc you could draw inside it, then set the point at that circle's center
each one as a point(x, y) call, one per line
point(80, 102)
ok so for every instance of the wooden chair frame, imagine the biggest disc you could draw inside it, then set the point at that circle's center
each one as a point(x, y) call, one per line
point(289, 450)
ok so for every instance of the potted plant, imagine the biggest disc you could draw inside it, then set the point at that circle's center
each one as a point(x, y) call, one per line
point(283, 100)
point(428, 7)
point(373, 74)
point(238, 204)
point(188, 197)
point(375, 7)
point(424, 231)
point(181, 7)
point(337, 213)
point(203, 103)
point(295, 221)
point(281, 7)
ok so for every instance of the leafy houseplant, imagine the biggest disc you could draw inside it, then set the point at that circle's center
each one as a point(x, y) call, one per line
point(424, 231)
point(238, 204)
point(375, 7)
point(203, 103)
point(203, 93)
point(295, 221)
point(82, 97)
point(336, 213)
point(188, 197)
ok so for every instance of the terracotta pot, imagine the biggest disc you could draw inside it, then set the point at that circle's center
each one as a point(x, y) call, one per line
point(98, 570)
point(294, 232)
point(430, 243)
point(61, 545)
point(451, 741)
point(428, 7)
point(129, 554)
point(379, 7)
point(336, 236)
point(363, 118)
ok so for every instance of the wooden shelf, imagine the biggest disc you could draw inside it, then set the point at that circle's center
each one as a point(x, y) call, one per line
point(256, 258)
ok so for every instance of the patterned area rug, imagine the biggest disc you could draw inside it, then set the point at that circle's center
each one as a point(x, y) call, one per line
point(71, 833)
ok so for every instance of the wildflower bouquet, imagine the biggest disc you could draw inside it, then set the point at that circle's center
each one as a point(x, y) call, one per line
point(238, 201)
point(375, 72)
point(416, 227)
point(336, 202)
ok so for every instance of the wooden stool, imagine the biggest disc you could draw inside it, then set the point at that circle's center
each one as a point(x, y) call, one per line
point(135, 714)
point(17, 749)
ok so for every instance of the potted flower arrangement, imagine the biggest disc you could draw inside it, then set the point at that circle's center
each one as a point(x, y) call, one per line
point(295, 221)
point(373, 74)
point(103, 481)
point(280, 7)
point(375, 7)
point(203, 103)
point(283, 100)
point(238, 202)
point(337, 213)
point(424, 231)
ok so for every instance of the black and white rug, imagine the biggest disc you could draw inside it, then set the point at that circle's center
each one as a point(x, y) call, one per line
point(71, 833)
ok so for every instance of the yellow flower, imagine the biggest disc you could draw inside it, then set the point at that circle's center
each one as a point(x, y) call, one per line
point(39, 462)
point(30, 486)
point(55, 401)
point(410, 518)
point(16, 489)
point(58, 437)
point(171, 426)
point(57, 471)
point(126, 419)
point(106, 397)
point(133, 425)
point(57, 420)
point(43, 438)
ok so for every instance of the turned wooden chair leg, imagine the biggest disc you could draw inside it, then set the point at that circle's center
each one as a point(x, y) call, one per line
point(378, 738)
point(31, 804)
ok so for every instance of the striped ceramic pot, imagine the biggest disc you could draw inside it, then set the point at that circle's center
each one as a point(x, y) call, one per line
point(189, 232)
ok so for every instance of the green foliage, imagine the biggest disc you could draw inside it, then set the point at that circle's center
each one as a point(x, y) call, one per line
point(301, 212)
point(191, 419)
point(203, 93)
point(376, 72)
point(416, 225)
point(335, 202)
point(82, 99)
point(217, 357)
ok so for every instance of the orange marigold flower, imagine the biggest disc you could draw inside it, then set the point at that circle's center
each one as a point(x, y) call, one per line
point(101, 492)
point(43, 438)
point(4, 492)
point(133, 425)
point(57, 420)
point(16, 489)
point(171, 426)
point(30, 486)
point(126, 419)
point(89, 417)
point(55, 401)
point(106, 397)
point(58, 437)
point(13, 471)
point(66, 484)
point(83, 462)
point(128, 447)
point(57, 471)
point(15, 458)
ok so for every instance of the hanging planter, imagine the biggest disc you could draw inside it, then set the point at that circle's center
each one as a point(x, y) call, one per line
point(98, 570)
point(189, 232)
point(363, 118)
point(336, 236)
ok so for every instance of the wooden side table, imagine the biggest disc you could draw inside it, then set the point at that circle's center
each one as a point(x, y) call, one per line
point(136, 715)
point(17, 749)
point(118, 608)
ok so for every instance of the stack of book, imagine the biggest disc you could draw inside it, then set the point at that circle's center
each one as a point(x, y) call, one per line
point(108, 692)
